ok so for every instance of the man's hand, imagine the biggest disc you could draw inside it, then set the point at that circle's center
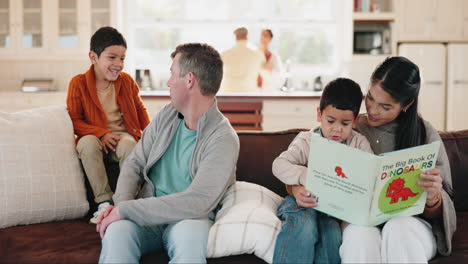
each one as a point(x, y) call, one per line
point(303, 197)
point(109, 141)
point(108, 217)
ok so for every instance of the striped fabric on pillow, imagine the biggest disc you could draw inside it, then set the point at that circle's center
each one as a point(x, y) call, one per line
point(247, 223)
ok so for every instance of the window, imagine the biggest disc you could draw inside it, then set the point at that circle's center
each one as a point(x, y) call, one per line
point(308, 34)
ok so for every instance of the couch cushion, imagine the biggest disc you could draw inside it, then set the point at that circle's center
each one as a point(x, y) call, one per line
point(456, 145)
point(73, 241)
point(40, 175)
point(246, 223)
point(459, 242)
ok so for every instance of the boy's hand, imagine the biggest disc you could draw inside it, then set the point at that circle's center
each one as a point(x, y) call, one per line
point(303, 197)
point(109, 141)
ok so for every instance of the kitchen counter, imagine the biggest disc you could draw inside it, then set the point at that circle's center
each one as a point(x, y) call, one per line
point(279, 110)
point(244, 95)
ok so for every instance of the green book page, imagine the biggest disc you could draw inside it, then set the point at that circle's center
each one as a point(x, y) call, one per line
point(342, 178)
point(396, 190)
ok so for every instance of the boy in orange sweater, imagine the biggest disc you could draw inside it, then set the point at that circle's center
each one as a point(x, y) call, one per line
point(107, 112)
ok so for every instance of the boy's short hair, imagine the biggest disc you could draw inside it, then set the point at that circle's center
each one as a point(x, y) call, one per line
point(105, 37)
point(343, 94)
point(204, 62)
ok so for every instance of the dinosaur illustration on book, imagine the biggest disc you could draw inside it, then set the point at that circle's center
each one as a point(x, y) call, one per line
point(396, 189)
point(339, 172)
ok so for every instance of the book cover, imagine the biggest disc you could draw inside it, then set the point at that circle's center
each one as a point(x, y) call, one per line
point(367, 189)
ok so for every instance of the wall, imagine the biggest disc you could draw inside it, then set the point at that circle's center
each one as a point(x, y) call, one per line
point(13, 101)
point(14, 72)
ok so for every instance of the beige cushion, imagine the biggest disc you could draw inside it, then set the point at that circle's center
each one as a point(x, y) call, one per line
point(246, 224)
point(40, 175)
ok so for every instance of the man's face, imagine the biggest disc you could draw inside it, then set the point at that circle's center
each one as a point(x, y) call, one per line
point(177, 84)
point(109, 64)
point(336, 124)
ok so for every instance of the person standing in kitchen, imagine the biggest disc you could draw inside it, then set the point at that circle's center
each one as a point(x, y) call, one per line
point(271, 76)
point(178, 172)
point(242, 65)
point(107, 112)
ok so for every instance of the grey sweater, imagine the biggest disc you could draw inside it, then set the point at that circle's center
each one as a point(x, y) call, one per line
point(212, 168)
point(382, 139)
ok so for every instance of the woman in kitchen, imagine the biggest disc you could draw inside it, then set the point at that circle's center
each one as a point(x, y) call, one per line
point(271, 75)
point(392, 123)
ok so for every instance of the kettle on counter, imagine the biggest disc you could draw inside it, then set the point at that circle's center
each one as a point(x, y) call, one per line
point(318, 84)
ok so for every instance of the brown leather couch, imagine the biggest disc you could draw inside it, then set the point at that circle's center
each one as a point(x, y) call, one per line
point(77, 242)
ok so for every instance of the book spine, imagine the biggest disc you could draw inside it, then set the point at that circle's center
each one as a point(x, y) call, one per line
point(365, 6)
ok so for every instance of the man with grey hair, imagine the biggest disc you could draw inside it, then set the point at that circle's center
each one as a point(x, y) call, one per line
point(179, 170)
point(242, 65)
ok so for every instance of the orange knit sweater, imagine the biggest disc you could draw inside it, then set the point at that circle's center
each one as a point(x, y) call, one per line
point(87, 114)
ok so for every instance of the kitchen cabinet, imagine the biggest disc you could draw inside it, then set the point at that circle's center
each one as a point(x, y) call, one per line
point(457, 86)
point(154, 105)
point(432, 63)
point(444, 86)
point(281, 114)
point(278, 113)
point(22, 27)
point(37, 29)
point(432, 20)
point(465, 20)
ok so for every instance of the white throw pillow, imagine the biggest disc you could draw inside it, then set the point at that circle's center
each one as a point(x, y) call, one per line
point(40, 175)
point(247, 223)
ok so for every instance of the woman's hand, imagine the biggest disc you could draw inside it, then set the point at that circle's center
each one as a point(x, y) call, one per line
point(432, 185)
point(303, 197)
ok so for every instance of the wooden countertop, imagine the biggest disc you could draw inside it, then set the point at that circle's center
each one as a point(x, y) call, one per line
point(164, 94)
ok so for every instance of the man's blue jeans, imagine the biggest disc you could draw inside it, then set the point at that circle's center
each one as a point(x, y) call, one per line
point(307, 235)
point(185, 241)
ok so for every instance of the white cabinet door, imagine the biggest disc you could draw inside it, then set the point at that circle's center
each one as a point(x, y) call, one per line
point(153, 106)
point(448, 24)
point(431, 61)
point(415, 19)
point(37, 29)
point(283, 114)
point(457, 93)
point(8, 26)
point(430, 20)
point(34, 32)
point(22, 27)
point(464, 23)
point(76, 21)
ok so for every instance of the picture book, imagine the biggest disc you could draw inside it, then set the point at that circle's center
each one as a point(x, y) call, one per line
point(366, 189)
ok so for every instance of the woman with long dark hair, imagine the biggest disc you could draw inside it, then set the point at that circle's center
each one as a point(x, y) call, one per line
point(392, 123)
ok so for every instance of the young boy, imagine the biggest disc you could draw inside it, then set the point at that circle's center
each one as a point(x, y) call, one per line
point(107, 113)
point(309, 236)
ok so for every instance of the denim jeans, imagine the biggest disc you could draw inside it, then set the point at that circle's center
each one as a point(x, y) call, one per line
point(185, 241)
point(307, 235)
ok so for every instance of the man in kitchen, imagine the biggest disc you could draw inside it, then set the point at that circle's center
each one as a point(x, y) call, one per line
point(242, 65)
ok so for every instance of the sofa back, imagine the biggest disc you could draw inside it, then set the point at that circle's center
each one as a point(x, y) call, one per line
point(259, 149)
point(456, 145)
point(256, 155)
